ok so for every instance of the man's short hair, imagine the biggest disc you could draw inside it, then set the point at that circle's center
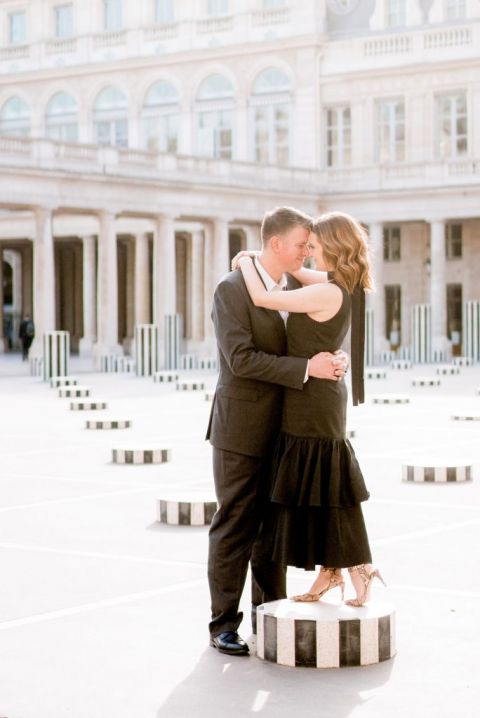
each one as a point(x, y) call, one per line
point(281, 220)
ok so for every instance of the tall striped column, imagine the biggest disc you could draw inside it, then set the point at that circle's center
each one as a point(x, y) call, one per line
point(438, 291)
point(164, 274)
point(56, 353)
point(173, 340)
point(146, 349)
point(376, 299)
point(471, 330)
point(421, 333)
point(107, 287)
point(369, 341)
point(43, 278)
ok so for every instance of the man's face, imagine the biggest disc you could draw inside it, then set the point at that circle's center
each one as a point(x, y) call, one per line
point(292, 248)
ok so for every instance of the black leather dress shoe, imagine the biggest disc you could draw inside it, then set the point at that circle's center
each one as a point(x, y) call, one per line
point(230, 642)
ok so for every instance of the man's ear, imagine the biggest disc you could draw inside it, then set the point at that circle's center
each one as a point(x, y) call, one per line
point(275, 243)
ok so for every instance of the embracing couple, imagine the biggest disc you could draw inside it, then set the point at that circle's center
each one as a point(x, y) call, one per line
point(288, 485)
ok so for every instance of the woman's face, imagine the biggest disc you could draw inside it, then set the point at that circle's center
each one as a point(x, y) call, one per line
point(315, 251)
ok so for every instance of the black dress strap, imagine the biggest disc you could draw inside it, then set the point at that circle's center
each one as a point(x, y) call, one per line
point(358, 345)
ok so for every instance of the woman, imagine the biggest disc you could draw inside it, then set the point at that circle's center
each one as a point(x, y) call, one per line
point(317, 488)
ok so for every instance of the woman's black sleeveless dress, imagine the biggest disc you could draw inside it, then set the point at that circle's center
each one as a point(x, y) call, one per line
point(315, 516)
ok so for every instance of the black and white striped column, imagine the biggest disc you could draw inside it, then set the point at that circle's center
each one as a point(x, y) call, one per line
point(401, 364)
point(188, 362)
point(88, 405)
point(466, 417)
point(462, 361)
point(209, 395)
point(36, 366)
point(146, 349)
point(325, 635)
point(448, 370)
point(391, 399)
point(369, 338)
point(375, 374)
point(109, 423)
point(73, 392)
point(436, 474)
point(185, 513)
point(56, 354)
point(166, 377)
point(153, 455)
point(173, 340)
point(191, 385)
point(471, 330)
point(421, 333)
point(58, 381)
point(208, 364)
point(426, 381)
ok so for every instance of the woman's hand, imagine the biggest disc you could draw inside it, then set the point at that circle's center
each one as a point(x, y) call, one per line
point(244, 253)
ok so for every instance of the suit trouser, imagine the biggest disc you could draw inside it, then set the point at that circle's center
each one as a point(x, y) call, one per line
point(241, 484)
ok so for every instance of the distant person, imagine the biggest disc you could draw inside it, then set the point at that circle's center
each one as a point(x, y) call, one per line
point(26, 335)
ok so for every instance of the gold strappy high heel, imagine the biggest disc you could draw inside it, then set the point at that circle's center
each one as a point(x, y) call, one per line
point(335, 579)
point(367, 579)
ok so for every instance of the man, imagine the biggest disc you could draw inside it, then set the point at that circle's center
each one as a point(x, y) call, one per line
point(245, 421)
point(26, 334)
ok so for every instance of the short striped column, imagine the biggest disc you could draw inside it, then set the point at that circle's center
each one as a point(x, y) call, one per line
point(166, 377)
point(375, 374)
point(88, 405)
point(109, 423)
point(471, 330)
point(108, 363)
point(57, 381)
point(208, 364)
point(56, 354)
point(421, 333)
point(209, 395)
point(466, 417)
point(391, 399)
point(188, 362)
point(426, 381)
point(36, 366)
point(350, 433)
point(424, 473)
point(462, 361)
point(400, 364)
point(448, 369)
point(197, 385)
point(185, 513)
point(325, 635)
point(73, 392)
point(146, 349)
point(152, 455)
point(173, 340)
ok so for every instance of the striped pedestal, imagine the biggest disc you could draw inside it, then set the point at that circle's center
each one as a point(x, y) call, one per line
point(147, 358)
point(56, 354)
point(140, 456)
point(88, 405)
point(166, 377)
point(208, 364)
point(209, 395)
point(73, 392)
point(108, 423)
point(58, 381)
point(36, 366)
point(462, 361)
point(325, 635)
point(448, 369)
point(186, 513)
point(375, 374)
point(401, 364)
point(391, 399)
point(426, 381)
point(466, 417)
point(190, 386)
point(436, 474)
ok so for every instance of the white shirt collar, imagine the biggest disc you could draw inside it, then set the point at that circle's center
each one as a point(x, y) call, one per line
point(270, 283)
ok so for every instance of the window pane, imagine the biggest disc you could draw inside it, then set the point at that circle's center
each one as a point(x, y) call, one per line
point(17, 28)
point(164, 11)
point(112, 15)
point(64, 21)
point(217, 7)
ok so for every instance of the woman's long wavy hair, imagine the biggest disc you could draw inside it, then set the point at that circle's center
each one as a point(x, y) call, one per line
point(345, 249)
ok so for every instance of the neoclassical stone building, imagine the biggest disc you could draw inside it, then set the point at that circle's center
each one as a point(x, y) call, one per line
point(141, 143)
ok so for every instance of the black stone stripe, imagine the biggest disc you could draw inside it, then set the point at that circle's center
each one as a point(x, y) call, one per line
point(184, 513)
point(468, 473)
point(410, 473)
point(129, 457)
point(270, 638)
point(210, 509)
point(350, 643)
point(305, 643)
point(163, 511)
point(148, 457)
point(429, 473)
point(384, 647)
point(451, 473)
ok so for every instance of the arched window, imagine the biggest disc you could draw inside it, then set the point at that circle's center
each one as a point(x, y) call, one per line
point(110, 118)
point(214, 117)
point(271, 107)
point(160, 118)
point(62, 118)
point(15, 117)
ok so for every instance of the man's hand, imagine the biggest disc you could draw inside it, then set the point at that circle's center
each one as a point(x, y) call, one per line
point(244, 253)
point(329, 366)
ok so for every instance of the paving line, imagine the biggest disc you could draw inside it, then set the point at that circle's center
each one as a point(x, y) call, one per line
point(424, 532)
point(100, 555)
point(106, 603)
point(426, 504)
point(86, 497)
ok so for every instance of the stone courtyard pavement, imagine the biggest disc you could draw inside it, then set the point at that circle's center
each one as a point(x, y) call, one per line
point(104, 611)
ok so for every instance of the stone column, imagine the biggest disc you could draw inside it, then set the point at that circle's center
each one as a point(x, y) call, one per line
point(107, 287)
point(196, 287)
point(208, 290)
point(89, 296)
point(128, 340)
point(438, 299)
point(142, 280)
point(164, 270)
point(221, 249)
point(43, 278)
point(376, 300)
point(2, 340)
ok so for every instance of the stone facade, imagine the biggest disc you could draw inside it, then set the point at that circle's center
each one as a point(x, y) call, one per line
point(141, 143)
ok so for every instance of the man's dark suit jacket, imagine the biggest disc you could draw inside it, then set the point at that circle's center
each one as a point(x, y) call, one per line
point(247, 407)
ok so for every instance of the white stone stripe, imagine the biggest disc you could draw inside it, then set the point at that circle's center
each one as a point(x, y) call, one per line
point(197, 513)
point(369, 652)
point(286, 641)
point(393, 640)
point(173, 512)
point(328, 644)
point(260, 634)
